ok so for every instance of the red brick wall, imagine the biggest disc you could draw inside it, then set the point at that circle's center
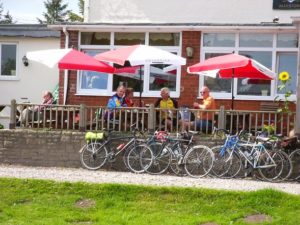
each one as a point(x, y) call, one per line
point(189, 83)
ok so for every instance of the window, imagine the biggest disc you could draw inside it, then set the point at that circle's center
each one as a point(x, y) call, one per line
point(278, 52)
point(146, 78)
point(217, 84)
point(256, 87)
point(218, 40)
point(256, 40)
point(287, 40)
point(8, 60)
point(129, 38)
point(93, 82)
point(164, 39)
point(94, 38)
point(288, 62)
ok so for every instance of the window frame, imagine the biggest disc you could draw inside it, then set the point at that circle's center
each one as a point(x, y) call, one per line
point(11, 77)
point(274, 51)
point(146, 92)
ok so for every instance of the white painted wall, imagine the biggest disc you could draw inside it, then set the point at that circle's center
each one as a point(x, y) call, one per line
point(185, 11)
point(35, 78)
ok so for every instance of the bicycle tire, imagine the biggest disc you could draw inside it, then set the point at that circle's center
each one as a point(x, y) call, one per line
point(161, 158)
point(295, 159)
point(198, 161)
point(273, 172)
point(139, 158)
point(235, 167)
point(93, 155)
point(287, 166)
point(176, 164)
point(222, 163)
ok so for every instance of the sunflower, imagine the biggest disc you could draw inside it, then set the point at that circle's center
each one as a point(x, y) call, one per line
point(284, 76)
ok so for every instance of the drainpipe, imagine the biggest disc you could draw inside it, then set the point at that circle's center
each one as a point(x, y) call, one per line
point(66, 71)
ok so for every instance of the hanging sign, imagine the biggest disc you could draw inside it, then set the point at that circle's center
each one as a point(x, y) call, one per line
point(286, 4)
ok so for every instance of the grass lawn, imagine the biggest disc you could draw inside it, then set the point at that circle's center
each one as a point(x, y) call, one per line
point(47, 202)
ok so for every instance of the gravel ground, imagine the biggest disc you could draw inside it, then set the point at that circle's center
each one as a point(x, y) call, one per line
point(101, 176)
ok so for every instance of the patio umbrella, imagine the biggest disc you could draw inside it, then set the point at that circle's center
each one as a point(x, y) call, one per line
point(232, 66)
point(70, 59)
point(139, 55)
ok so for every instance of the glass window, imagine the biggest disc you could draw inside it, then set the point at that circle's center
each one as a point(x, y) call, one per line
point(95, 38)
point(256, 40)
point(288, 62)
point(287, 40)
point(217, 84)
point(218, 40)
point(129, 38)
point(164, 39)
point(91, 79)
point(160, 78)
point(8, 59)
point(252, 86)
point(130, 78)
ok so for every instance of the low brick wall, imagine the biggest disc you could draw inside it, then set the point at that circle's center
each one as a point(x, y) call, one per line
point(48, 148)
point(41, 148)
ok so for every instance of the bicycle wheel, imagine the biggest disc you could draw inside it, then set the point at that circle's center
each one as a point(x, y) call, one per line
point(93, 155)
point(222, 163)
point(287, 166)
point(139, 158)
point(235, 167)
point(176, 164)
point(270, 165)
point(295, 158)
point(161, 158)
point(198, 161)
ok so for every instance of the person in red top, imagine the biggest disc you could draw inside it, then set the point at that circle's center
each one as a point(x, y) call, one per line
point(37, 111)
point(128, 97)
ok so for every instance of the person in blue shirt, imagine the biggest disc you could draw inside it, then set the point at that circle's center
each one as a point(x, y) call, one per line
point(116, 101)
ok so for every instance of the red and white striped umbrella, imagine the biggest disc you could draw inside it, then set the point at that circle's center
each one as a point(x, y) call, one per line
point(140, 55)
point(70, 59)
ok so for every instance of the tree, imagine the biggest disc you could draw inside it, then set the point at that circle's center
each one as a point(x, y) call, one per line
point(73, 17)
point(7, 18)
point(56, 12)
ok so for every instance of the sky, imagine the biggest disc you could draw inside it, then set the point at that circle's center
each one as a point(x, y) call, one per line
point(26, 11)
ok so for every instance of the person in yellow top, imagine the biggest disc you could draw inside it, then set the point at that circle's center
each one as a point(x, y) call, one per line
point(204, 120)
point(165, 102)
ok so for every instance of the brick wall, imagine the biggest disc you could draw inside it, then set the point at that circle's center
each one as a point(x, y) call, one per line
point(50, 148)
point(189, 83)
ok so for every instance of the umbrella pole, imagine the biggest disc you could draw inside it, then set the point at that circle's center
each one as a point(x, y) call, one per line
point(141, 85)
point(232, 85)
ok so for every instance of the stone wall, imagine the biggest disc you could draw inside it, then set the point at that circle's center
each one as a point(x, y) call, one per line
point(48, 148)
point(41, 148)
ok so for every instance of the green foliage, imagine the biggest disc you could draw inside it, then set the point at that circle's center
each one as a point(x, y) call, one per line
point(6, 18)
point(47, 202)
point(284, 79)
point(73, 17)
point(56, 12)
point(1, 126)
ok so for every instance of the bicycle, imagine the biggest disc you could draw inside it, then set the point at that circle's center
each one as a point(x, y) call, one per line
point(269, 163)
point(98, 151)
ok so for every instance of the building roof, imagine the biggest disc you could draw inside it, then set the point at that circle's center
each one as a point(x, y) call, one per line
point(27, 30)
point(173, 26)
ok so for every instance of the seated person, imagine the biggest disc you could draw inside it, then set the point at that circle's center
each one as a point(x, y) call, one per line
point(165, 102)
point(116, 101)
point(36, 112)
point(204, 121)
point(128, 97)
